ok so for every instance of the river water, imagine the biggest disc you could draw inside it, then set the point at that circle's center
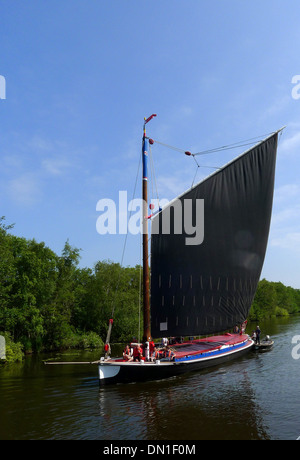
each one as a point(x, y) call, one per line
point(253, 397)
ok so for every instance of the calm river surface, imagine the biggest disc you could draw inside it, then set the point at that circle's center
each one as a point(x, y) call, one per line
point(254, 397)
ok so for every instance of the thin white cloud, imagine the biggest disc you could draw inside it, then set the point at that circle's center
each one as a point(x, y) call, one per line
point(12, 162)
point(40, 144)
point(27, 165)
point(290, 145)
point(170, 186)
point(286, 218)
point(289, 241)
point(56, 166)
point(277, 107)
point(286, 193)
point(24, 190)
point(185, 111)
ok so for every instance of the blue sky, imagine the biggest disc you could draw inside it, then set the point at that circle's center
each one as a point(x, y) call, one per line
point(82, 75)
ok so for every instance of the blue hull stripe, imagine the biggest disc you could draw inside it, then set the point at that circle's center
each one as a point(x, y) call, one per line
point(210, 354)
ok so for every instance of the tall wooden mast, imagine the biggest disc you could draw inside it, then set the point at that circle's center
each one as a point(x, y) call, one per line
point(146, 284)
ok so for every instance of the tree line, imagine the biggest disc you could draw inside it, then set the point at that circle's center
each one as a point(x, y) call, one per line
point(274, 299)
point(47, 302)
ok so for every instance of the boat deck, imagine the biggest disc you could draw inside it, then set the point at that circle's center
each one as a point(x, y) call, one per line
point(194, 347)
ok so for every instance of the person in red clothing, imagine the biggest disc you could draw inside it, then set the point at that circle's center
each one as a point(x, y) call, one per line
point(151, 348)
point(137, 353)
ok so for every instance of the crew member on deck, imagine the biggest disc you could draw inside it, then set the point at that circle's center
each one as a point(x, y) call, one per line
point(127, 354)
point(137, 353)
point(258, 332)
point(154, 355)
point(151, 347)
point(165, 342)
point(169, 353)
point(243, 327)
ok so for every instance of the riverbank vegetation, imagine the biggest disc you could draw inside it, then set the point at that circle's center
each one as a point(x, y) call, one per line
point(274, 299)
point(47, 302)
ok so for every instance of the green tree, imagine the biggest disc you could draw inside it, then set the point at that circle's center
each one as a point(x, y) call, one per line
point(58, 313)
point(285, 298)
point(33, 287)
point(7, 270)
point(265, 301)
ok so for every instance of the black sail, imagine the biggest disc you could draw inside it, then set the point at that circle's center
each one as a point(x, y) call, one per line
point(204, 283)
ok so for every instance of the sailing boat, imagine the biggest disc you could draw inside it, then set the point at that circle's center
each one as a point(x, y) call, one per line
point(203, 286)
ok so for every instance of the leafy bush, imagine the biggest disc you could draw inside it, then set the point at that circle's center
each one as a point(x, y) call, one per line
point(281, 312)
point(14, 351)
point(90, 340)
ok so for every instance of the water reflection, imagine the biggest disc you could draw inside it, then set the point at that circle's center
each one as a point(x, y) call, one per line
point(216, 404)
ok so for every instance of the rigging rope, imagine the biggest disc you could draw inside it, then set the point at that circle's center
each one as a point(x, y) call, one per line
point(235, 145)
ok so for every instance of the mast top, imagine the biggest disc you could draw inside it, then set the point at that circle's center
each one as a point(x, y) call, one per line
point(150, 118)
